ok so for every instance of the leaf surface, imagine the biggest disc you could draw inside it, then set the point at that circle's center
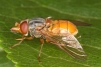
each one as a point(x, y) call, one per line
point(25, 55)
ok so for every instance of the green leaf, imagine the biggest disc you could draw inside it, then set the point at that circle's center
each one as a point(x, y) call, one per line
point(26, 54)
point(4, 62)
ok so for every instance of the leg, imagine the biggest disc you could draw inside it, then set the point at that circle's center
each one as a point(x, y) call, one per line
point(42, 42)
point(78, 36)
point(47, 40)
point(27, 38)
point(21, 39)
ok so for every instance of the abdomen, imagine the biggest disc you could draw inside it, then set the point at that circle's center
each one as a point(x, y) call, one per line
point(62, 27)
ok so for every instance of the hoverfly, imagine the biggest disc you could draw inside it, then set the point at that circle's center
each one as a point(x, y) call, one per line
point(59, 32)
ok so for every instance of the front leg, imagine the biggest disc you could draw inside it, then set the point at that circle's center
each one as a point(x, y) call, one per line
point(27, 38)
point(21, 39)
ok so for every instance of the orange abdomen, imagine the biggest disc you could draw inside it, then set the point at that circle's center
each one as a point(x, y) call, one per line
point(63, 27)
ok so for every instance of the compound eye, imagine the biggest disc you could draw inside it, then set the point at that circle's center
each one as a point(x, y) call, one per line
point(24, 27)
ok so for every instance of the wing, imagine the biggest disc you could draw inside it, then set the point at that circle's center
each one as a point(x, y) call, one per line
point(73, 47)
point(67, 43)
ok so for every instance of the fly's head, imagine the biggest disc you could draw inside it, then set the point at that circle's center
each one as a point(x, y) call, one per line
point(21, 27)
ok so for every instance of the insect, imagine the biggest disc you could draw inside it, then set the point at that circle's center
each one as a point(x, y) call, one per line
point(59, 32)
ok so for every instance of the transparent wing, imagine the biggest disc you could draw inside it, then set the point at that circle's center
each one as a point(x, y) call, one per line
point(73, 47)
point(72, 42)
point(67, 43)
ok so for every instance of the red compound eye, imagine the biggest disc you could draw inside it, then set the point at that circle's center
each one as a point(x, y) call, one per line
point(24, 27)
